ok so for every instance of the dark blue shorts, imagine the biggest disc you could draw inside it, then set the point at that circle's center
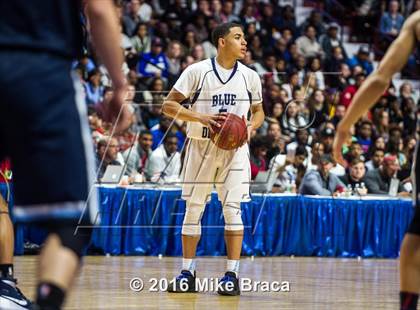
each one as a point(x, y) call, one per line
point(415, 223)
point(45, 133)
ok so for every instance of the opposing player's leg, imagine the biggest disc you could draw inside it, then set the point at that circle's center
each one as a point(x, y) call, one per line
point(232, 185)
point(198, 178)
point(49, 143)
point(10, 296)
point(410, 250)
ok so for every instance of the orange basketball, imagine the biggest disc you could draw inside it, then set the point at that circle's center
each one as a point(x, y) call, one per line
point(232, 134)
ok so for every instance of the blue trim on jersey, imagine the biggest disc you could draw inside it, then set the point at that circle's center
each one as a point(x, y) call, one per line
point(197, 93)
point(246, 86)
point(235, 67)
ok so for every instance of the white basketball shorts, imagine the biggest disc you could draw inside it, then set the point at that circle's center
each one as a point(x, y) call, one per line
point(206, 166)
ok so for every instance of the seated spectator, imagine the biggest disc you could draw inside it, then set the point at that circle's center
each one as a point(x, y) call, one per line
point(406, 90)
point(394, 148)
point(321, 181)
point(342, 80)
point(276, 111)
point(327, 138)
point(292, 119)
point(330, 40)
point(315, 20)
point(362, 59)
point(378, 181)
point(376, 160)
point(302, 139)
point(85, 65)
point(340, 111)
point(174, 55)
point(395, 112)
point(291, 175)
point(164, 163)
point(107, 154)
point(364, 135)
point(355, 151)
point(391, 22)
point(93, 89)
point(227, 14)
point(292, 84)
point(137, 156)
point(381, 122)
point(355, 176)
point(318, 108)
point(333, 64)
point(307, 44)
point(379, 143)
point(154, 63)
point(277, 145)
point(349, 92)
point(258, 149)
point(409, 110)
point(316, 73)
point(155, 91)
point(141, 41)
point(159, 131)
point(131, 18)
point(316, 154)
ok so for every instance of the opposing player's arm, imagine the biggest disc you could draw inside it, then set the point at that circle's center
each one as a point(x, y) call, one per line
point(106, 37)
point(172, 108)
point(377, 83)
point(106, 40)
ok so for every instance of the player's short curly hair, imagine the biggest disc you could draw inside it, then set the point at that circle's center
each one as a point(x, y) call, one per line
point(221, 31)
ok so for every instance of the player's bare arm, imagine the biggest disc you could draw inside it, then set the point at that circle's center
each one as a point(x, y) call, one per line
point(377, 83)
point(106, 39)
point(257, 118)
point(257, 115)
point(172, 108)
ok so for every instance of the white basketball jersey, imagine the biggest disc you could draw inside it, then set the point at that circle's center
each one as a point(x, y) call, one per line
point(211, 93)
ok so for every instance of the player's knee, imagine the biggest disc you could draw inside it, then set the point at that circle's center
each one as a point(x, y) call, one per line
point(232, 214)
point(192, 220)
point(76, 241)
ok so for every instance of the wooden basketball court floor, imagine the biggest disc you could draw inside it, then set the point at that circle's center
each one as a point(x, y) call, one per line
point(315, 283)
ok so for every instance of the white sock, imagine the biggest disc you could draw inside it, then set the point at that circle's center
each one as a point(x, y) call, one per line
point(188, 264)
point(233, 266)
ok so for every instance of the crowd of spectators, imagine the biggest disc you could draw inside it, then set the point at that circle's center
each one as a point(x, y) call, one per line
point(308, 78)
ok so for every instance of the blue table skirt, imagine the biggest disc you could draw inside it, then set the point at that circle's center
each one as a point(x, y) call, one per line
point(149, 221)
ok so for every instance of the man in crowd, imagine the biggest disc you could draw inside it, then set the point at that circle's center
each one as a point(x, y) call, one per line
point(376, 160)
point(355, 176)
point(107, 153)
point(165, 162)
point(378, 181)
point(321, 181)
point(137, 156)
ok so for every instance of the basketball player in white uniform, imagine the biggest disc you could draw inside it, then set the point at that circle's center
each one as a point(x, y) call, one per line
point(367, 95)
point(215, 87)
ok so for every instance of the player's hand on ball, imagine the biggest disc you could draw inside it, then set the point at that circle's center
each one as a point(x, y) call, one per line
point(213, 121)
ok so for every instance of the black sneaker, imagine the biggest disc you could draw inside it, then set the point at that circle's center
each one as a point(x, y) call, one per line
point(11, 297)
point(184, 283)
point(229, 285)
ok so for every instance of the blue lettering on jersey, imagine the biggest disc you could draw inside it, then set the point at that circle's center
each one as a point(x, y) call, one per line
point(223, 100)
